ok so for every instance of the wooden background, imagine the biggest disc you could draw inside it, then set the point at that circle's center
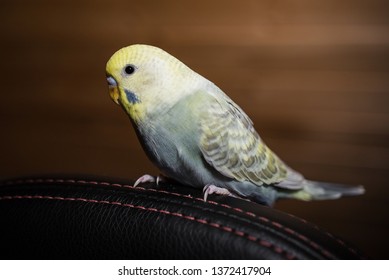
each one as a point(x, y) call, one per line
point(313, 76)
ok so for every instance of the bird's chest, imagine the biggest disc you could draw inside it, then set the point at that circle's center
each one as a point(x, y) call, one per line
point(168, 144)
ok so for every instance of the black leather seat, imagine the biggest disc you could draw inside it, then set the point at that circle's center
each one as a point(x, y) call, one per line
point(100, 218)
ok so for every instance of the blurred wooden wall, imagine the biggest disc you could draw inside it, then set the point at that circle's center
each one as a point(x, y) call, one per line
point(313, 76)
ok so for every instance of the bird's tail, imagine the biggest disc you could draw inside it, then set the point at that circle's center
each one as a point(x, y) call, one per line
point(314, 190)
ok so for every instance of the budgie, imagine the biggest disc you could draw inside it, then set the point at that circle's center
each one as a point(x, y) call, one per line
point(196, 135)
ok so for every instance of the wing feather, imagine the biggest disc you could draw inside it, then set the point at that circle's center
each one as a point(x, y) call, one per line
point(231, 145)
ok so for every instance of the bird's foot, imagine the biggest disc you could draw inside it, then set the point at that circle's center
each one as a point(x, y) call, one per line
point(150, 179)
point(212, 189)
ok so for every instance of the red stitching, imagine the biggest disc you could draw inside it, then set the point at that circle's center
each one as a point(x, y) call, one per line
point(247, 236)
point(352, 250)
point(263, 219)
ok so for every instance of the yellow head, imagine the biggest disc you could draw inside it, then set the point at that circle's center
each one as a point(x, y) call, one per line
point(147, 81)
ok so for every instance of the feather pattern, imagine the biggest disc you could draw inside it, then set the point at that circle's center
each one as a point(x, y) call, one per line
point(231, 145)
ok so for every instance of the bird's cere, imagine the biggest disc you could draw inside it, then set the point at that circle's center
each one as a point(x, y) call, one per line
point(113, 89)
point(111, 82)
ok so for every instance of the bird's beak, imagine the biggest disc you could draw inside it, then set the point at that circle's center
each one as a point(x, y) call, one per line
point(113, 89)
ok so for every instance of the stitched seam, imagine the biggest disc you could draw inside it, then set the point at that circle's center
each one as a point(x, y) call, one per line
point(239, 233)
point(262, 219)
point(328, 234)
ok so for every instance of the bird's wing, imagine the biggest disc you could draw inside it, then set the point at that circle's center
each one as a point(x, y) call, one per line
point(231, 145)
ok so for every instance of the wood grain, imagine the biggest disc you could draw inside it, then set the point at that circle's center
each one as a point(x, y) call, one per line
point(313, 76)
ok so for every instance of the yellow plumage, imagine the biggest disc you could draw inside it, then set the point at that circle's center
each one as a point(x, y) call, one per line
point(197, 135)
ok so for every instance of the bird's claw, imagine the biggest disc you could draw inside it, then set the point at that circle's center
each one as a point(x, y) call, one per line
point(212, 189)
point(150, 179)
point(144, 179)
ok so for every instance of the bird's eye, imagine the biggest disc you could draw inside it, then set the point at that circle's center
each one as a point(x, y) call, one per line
point(129, 69)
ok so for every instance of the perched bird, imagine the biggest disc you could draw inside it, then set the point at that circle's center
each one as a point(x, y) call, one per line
point(195, 134)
